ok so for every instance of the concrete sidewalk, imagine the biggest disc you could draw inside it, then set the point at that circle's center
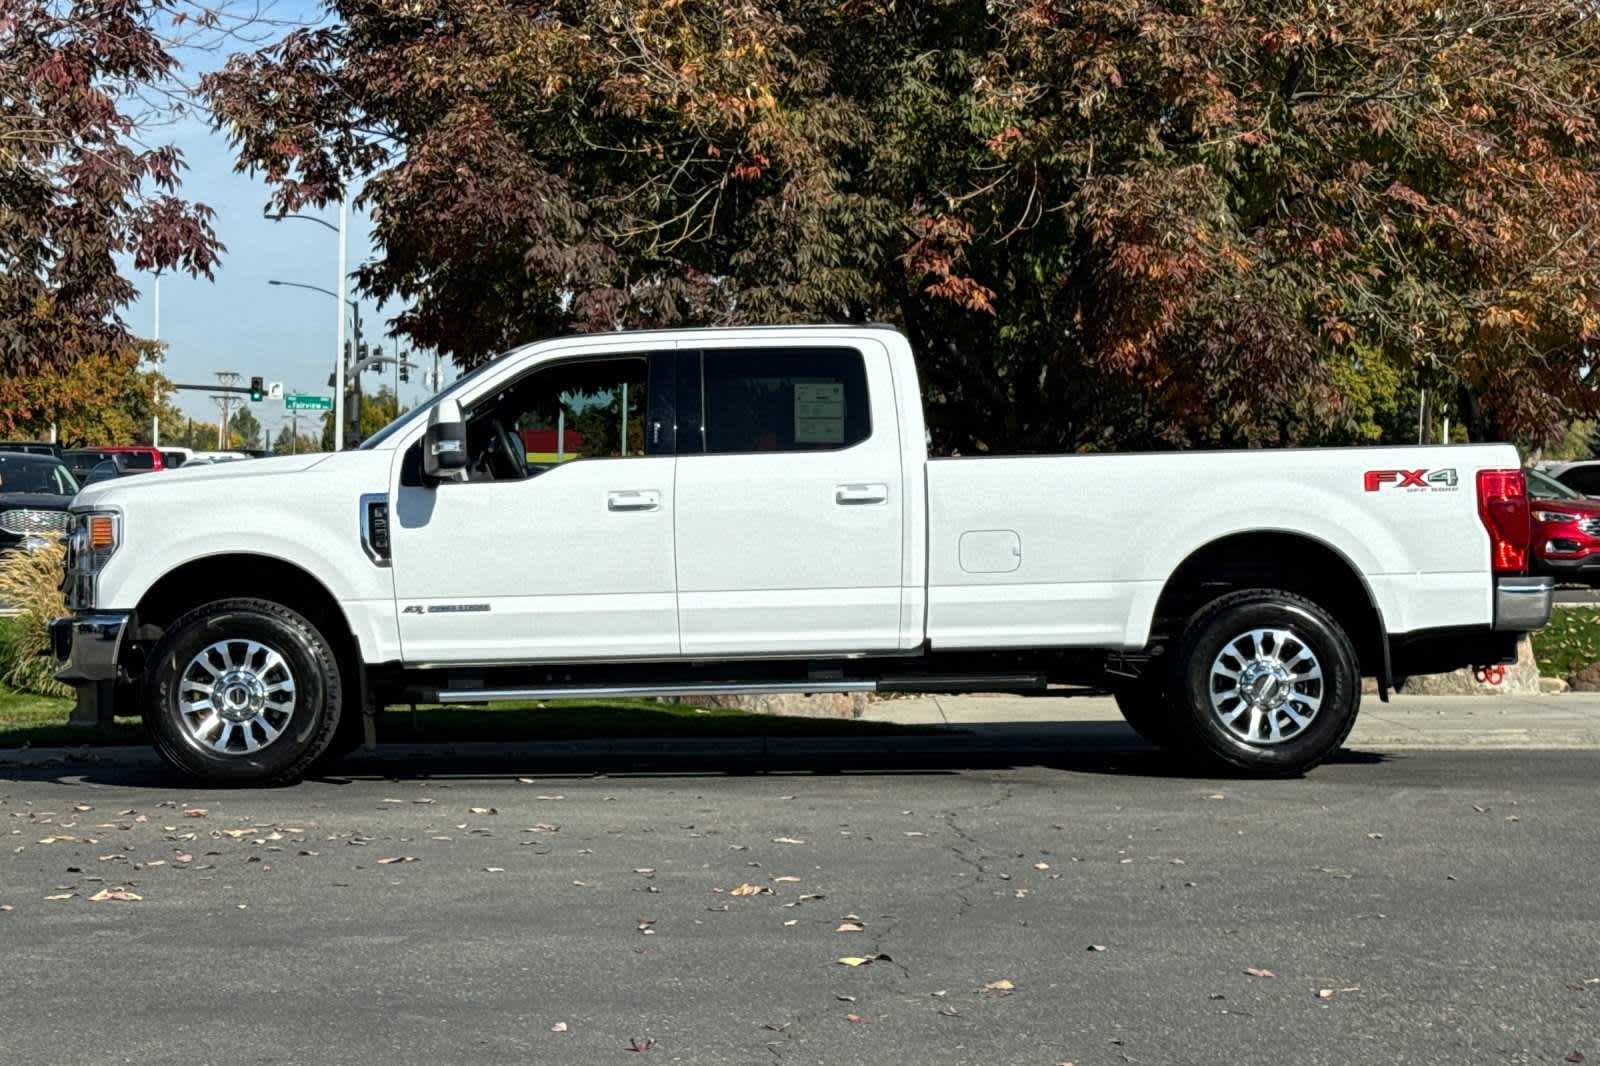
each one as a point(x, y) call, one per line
point(1530, 723)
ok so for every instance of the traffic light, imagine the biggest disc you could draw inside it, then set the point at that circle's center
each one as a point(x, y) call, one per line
point(257, 389)
point(405, 373)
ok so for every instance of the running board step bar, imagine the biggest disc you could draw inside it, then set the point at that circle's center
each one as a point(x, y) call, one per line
point(948, 683)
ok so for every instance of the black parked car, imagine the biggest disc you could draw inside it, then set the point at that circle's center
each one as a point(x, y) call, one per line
point(35, 491)
point(32, 447)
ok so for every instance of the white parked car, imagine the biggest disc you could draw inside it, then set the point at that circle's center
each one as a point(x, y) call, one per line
point(753, 510)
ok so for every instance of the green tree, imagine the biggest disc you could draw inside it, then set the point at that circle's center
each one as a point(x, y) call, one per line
point(1101, 223)
point(244, 429)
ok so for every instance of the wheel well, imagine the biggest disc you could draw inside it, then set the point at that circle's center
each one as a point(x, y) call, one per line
point(220, 577)
point(1286, 561)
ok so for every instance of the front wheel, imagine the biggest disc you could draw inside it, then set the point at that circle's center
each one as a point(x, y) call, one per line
point(1268, 681)
point(242, 691)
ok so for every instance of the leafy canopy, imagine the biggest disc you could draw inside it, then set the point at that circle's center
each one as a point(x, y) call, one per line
point(1101, 222)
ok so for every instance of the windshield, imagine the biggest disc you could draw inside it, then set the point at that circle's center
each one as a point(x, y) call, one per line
point(28, 474)
point(1544, 487)
point(422, 408)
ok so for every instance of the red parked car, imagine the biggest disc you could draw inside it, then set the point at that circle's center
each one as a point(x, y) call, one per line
point(1566, 530)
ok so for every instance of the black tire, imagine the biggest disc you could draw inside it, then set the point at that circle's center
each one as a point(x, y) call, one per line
point(1148, 707)
point(1309, 628)
point(313, 710)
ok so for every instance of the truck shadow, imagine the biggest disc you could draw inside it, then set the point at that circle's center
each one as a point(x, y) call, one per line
point(1092, 747)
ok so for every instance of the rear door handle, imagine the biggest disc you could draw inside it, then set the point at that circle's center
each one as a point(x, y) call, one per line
point(848, 495)
point(634, 500)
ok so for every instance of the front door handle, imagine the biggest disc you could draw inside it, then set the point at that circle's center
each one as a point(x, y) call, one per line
point(848, 495)
point(634, 500)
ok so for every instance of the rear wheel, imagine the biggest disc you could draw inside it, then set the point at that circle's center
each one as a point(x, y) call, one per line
point(1267, 681)
point(242, 691)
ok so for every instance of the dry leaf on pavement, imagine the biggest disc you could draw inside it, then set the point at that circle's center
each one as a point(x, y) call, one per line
point(117, 895)
point(1001, 987)
point(848, 927)
point(559, 1027)
point(397, 858)
point(787, 840)
point(748, 889)
point(1256, 971)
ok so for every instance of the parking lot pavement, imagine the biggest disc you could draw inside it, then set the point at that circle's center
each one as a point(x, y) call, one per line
point(1406, 723)
point(1092, 907)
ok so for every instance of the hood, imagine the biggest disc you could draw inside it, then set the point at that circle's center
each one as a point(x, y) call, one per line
point(33, 501)
point(239, 470)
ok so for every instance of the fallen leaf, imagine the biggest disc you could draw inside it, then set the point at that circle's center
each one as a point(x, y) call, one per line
point(559, 1027)
point(482, 810)
point(792, 921)
point(776, 1027)
point(1001, 987)
point(1576, 1056)
point(646, 871)
point(1325, 993)
point(117, 895)
point(1041, 866)
point(848, 927)
point(949, 1012)
point(748, 889)
point(81, 807)
point(641, 1045)
point(1256, 971)
point(397, 858)
point(855, 960)
point(858, 1019)
point(494, 869)
point(63, 895)
point(784, 880)
point(1097, 947)
point(786, 840)
point(195, 812)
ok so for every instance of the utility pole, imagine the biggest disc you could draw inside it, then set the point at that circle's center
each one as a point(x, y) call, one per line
point(228, 379)
point(155, 390)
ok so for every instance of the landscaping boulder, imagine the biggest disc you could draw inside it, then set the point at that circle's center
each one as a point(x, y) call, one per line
point(1586, 680)
point(1522, 679)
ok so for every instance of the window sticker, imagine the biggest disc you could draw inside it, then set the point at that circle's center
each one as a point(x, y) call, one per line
point(819, 412)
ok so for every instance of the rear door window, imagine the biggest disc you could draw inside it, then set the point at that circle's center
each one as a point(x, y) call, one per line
point(755, 400)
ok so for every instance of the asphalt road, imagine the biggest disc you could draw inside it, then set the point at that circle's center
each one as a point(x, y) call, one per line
point(1445, 902)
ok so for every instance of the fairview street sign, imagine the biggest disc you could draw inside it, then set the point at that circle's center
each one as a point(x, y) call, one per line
point(304, 401)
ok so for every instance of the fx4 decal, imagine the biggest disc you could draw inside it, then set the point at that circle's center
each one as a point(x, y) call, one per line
point(1412, 480)
point(444, 608)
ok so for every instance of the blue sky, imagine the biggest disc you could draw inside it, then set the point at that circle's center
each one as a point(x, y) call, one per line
point(237, 321)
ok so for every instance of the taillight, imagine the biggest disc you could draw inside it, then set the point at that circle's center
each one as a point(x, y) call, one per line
point(1503, 506)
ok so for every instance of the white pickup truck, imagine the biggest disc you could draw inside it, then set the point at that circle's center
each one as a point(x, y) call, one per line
point(754, 510)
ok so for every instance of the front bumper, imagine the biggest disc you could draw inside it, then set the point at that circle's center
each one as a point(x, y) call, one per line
point(1522, 604)
point(88, 645)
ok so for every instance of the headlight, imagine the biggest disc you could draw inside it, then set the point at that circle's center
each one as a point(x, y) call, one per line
point(1554, 516)
point(94, 539)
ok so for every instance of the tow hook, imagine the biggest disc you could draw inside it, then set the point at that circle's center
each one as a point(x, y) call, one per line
point(1492, 674)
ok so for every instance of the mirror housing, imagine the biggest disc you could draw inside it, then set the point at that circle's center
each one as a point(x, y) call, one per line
point(444, 445)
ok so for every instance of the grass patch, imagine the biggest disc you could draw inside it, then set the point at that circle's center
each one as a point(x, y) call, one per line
point(41, 721)
point(1569, 643)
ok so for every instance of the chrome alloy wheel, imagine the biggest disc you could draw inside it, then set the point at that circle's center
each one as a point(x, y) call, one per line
point(1266, 686)
point(236, 696)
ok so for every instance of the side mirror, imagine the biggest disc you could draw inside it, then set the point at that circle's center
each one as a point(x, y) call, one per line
point(444, 446)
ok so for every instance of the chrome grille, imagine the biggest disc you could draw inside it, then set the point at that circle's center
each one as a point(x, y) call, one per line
point(1591, 526)
point(24, 521)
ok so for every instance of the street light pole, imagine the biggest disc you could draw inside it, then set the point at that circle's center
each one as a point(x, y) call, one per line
point(338, 350)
